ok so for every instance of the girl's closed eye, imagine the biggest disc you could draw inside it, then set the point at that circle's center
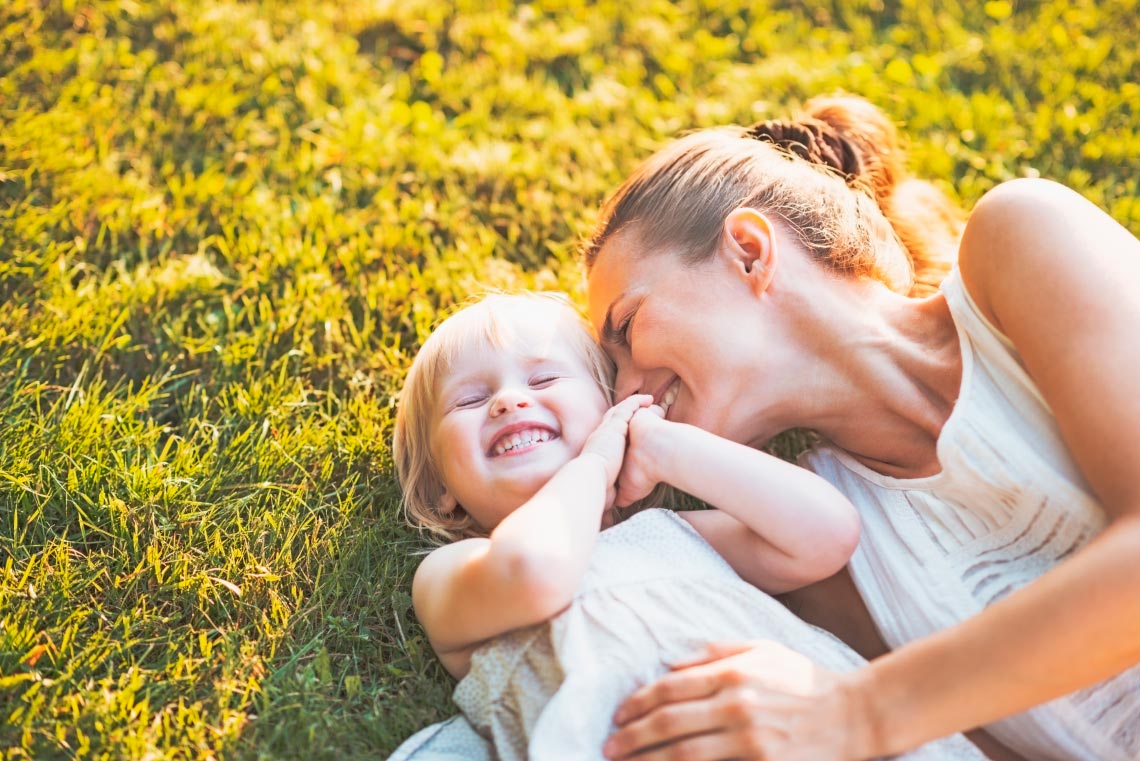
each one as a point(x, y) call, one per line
point(542, 380)
point(469, 400)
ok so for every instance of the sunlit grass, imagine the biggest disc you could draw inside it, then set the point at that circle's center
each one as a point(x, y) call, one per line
point(225, 227)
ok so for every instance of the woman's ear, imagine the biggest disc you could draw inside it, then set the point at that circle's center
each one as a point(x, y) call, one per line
point(749, 244)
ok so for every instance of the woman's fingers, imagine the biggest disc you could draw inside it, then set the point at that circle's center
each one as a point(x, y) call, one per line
point(676, 687)
point(742, 701)
point(707, 747)
point(721, 665)
point(667, 723)
point(717, 727)
point(713, 651)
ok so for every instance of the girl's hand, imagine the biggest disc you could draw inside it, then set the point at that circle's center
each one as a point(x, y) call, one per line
point(756, 700)
point(639, 472)
point(608, 441)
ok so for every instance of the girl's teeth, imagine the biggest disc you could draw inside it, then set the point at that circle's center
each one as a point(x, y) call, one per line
point(521, 439)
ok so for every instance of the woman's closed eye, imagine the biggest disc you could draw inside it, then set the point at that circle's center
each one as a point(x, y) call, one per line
point(623, 329)
point(619, 334)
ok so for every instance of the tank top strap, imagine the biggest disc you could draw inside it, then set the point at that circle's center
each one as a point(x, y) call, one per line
point(989, 346)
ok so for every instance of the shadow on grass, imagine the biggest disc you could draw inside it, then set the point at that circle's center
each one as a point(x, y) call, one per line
point(355, 675)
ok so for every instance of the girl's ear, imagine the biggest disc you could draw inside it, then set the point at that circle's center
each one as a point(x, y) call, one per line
point(749, 245)
point(447, 503)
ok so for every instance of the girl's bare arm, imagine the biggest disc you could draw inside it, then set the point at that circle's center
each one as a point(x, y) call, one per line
point(530, 567)
point(780, 526)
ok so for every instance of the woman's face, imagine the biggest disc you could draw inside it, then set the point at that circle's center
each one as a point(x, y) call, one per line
point(690, 335)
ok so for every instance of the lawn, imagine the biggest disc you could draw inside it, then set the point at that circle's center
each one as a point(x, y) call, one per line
point(226, 226)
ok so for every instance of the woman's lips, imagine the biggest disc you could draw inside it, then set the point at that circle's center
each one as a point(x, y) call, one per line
point(665, 399)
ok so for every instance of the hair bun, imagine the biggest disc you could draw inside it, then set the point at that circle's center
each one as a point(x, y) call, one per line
point(813, 140)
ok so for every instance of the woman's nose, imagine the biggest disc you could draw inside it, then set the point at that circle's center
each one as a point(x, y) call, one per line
point(626, 383)
point(510, 399)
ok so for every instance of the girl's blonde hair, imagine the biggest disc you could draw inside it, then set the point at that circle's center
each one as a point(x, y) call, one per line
point(488, 322)
point(836, 177)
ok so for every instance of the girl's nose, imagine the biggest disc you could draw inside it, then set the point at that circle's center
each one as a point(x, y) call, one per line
point(510, 399)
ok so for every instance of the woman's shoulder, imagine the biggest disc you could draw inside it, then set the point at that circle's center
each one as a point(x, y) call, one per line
point(1003, 222)
point(1028, 236)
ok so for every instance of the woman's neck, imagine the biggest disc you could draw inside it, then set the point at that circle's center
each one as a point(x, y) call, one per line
point(886, 374)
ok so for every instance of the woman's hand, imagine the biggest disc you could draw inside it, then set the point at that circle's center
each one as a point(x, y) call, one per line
point(639, 472)
point(757, 700)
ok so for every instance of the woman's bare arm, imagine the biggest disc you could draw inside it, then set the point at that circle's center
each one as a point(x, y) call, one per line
point(1062, 280)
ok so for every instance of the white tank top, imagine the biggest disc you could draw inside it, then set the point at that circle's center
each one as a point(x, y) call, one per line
point(1008, 505)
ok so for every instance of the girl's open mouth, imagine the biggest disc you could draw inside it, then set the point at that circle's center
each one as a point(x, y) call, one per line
point(516, 442)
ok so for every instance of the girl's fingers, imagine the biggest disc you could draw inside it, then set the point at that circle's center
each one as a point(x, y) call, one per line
point(627, 495)
point(624, 409)
point(636, 402)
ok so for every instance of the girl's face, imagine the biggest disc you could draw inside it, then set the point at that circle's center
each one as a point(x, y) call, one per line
point(506, 419)
point(690, 335)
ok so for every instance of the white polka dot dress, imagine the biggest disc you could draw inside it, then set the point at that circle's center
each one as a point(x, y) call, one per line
point(655, 593)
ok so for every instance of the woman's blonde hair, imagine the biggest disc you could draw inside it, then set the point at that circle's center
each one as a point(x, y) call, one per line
point(488, 322)
point(836, 177)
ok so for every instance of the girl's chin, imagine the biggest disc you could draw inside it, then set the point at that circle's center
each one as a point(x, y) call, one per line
point(535, 478)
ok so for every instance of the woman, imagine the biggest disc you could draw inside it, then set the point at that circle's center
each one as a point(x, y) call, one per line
point(988, 432)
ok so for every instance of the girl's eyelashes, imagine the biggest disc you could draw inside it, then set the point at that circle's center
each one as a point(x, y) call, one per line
point(475, 395)
point(543, 380)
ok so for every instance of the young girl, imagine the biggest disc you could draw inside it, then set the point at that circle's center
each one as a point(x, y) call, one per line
point(507, 447)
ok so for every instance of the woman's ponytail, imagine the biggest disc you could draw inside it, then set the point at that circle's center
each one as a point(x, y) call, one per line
point(852, 138)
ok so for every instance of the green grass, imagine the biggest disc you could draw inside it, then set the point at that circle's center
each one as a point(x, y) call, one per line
point(225, 227)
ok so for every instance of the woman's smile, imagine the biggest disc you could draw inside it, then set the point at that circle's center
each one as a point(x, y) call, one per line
point(666, 398)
